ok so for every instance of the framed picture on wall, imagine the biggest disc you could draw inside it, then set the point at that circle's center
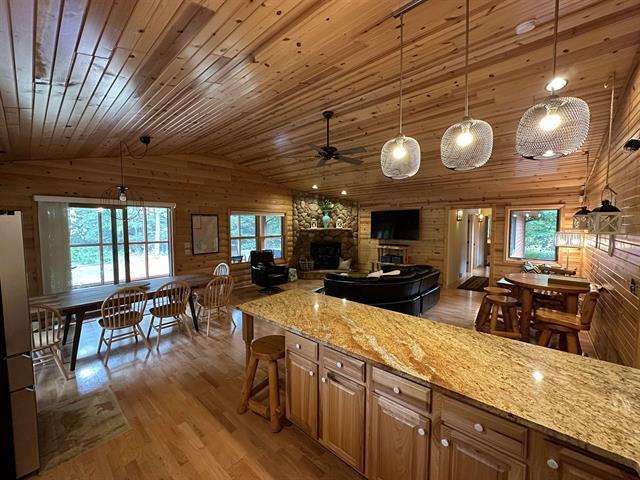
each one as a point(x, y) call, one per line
point(204, 234)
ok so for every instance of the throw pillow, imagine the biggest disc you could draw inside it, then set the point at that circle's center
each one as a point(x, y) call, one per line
point(344, 264)
point(391, 273)
point(376, 274)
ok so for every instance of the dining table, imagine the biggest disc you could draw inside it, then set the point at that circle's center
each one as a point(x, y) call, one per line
point(529, 282)
point(75, 303)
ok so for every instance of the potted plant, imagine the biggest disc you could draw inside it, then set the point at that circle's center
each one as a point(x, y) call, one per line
point(326, 206)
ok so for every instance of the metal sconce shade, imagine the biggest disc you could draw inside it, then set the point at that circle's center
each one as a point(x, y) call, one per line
point(466, 145)
point(581, 219)
point(400, 158)
point(553, 128)
point(568, 239)
point(605, 219)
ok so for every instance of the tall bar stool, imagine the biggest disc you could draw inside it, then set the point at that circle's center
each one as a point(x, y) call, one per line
point(484, 312)
point(503, 307)
point(269, 349)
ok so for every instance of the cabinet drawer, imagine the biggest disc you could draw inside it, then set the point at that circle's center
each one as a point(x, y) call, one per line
point(301, 346)
point(502, 434)
point(343, 364)
point(401, 390)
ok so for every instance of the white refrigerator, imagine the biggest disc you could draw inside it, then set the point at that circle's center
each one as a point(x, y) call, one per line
point(19, 415)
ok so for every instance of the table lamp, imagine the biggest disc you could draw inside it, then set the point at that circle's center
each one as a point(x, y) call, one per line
point(568, 240)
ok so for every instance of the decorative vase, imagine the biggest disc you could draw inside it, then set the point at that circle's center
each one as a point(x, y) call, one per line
point(326, 218)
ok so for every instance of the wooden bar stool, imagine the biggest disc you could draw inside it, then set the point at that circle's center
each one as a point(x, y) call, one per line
point(484, 312)
point(269, 349)
point(507, 306)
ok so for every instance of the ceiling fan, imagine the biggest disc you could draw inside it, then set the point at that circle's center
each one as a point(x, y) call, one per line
point(329, 152)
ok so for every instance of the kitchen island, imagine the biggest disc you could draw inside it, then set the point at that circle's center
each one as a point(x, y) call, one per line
point(393, 394)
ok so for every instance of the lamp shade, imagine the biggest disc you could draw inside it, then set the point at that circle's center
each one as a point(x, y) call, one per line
point(605, 219)
point(568, 239)
point(400, 158)
point(581, 219)
point(467, 144)
point(553, 128)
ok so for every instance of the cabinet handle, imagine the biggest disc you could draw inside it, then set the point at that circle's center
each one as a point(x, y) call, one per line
point(396, 390)
point(552, 464)
point(298, 346)
point(323, 380)
point(444, 442)
point(421, 432)
point(478, 427)
point(311, 373)
point(339, 364)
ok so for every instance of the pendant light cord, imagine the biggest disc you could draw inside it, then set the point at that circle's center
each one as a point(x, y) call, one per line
point(401, 64)
point(122, 164)
point(466, 63)
point(613, 91)
point(555, 40)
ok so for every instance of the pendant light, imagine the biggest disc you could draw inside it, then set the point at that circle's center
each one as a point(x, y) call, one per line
point(400, 156)
point(120, 198)
point(607, 218)
point(467, 144)
point(556, 126)
point(581, 218)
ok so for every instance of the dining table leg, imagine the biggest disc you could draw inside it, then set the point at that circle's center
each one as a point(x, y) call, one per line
point(193, 313)
point(526, 301)
point(67, 324)
point(247, 335)
point(76, 338)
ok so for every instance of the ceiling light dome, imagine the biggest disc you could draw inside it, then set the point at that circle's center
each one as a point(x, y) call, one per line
point(467, 144)
point(400, 157)
point(553, 128)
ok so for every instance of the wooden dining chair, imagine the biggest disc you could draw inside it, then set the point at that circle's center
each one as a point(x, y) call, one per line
point(170, 308)
point(567, 325)
point(122, 310)
point(46, 329)
point(221, 269)
point(215, 300)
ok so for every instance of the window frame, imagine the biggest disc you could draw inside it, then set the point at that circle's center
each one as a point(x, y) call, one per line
point(260, 237)
point(507, 232)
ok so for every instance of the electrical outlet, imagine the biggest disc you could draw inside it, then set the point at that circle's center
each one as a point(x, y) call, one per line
point(633, 287)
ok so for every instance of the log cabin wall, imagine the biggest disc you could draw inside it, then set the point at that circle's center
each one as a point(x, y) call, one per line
point(196, 184)
point(616, 326)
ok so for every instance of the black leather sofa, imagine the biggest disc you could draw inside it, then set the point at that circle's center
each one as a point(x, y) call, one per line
point(413, 292)
point(265, 273)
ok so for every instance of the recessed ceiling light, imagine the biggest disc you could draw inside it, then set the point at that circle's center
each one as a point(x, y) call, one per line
point(343, 192)
point(314, 186)
point(525, 27)
point(556, 84)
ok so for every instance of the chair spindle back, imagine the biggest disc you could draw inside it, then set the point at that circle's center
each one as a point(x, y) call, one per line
point(46, 323)
point(172, 298)
point(218, 291)
point(123, 308)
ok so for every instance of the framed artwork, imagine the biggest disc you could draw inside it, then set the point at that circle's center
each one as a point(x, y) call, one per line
point(204, 234)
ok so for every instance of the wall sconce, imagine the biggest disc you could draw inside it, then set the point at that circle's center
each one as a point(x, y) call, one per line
point(480, 215)
point(459, 214)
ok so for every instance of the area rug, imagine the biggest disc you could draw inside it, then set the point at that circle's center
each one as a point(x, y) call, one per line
point(474, 283)
point(70, 428)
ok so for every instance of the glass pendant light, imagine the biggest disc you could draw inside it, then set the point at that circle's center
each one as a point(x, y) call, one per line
point(467, 144)
point(400, 156)
point(556, 126)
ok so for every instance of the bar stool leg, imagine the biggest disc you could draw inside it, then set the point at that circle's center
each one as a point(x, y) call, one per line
point(483, 313)
point(274, 398)
point(506, 317)
point(248, 384)
point(573, 343)
point(545, 337)
point(494, 317)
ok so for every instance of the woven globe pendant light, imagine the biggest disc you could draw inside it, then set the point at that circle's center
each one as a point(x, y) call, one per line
point(555, 127)
point(400, 156)
point(467, 144)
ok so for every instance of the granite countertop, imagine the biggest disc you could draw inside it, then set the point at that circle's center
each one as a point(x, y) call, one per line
point(593, 404)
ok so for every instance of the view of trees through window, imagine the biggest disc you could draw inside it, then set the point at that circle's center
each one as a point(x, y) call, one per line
point(531, 234)
point(93, 246)
point(255, 232)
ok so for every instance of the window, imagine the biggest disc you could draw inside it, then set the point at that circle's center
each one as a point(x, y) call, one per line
point(101, 251)
point(531, 234)
point(256, 232)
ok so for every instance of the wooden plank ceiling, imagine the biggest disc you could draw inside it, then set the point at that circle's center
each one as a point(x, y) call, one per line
point(247, 80)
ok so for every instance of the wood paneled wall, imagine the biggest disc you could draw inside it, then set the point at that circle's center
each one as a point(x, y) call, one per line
point(196, 184)
point(616, 327)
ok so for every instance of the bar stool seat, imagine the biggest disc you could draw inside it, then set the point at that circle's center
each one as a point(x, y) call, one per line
point(268, 349)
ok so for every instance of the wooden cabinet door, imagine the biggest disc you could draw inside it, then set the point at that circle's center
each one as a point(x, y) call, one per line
point(462, 458)
point(342, 421)
point(302, 394)
point(398, 443)
point(556, 462)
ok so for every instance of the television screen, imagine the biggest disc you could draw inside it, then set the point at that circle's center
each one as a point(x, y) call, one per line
point(395, 225)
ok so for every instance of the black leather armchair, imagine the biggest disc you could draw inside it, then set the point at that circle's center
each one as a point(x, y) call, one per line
point(265, 273)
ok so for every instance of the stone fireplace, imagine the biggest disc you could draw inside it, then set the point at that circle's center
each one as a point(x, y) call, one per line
point(325, 255)
point(325, 246)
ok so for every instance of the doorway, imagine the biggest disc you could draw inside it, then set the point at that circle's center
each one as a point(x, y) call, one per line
point(468, 244)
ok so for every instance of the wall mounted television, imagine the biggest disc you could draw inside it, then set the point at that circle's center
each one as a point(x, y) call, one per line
point(395, 225)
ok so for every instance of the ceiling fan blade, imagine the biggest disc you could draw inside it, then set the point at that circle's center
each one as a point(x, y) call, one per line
point(351, 160)
point(349, 151)
point(315, 147)
point(322, 161)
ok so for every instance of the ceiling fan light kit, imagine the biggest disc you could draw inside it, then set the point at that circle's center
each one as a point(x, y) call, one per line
point(467, 144)
point(557, 126)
